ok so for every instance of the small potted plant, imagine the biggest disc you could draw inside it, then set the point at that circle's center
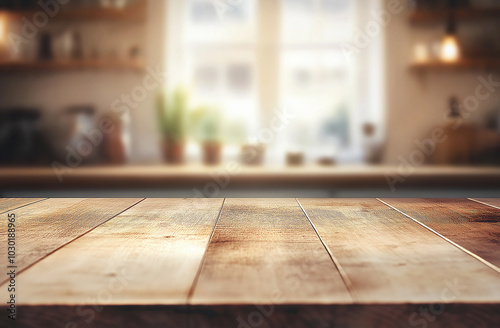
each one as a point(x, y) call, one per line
point(207, 128)
point(172, 112)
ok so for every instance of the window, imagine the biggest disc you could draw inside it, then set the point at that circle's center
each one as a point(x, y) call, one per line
point(213, 53)
point(223, 54)
point(319, 83)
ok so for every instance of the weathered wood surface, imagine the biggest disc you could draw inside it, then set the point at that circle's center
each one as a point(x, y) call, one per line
point(390, 258)
point(472, 225)
point(8, 204)
point(176, 263)
point(456, 315)
point(266, 251)
point(147, 255)
point(43, 227)
point(495, 202)
point(100, 316)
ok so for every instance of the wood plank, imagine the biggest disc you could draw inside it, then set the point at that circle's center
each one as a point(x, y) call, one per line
point(43, 227)
point(390, 258)
point(8, 204)
point(107, 316)
point(266, 251)
point(149, 255)
point(488, 201)
point(456, 315)
point(471, 225)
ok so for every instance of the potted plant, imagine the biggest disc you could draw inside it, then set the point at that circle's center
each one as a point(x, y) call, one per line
point(172, 113)
point(207, 128)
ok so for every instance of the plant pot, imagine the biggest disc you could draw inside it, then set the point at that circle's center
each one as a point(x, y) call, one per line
point(294, 158)
point(253, 154)
point(113, 149)
point(212, 153)
point(173, 152)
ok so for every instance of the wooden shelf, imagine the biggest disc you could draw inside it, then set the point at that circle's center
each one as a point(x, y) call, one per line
point(71, 65)
point(134, 13)
point(197, 176)
point(468, 64)
point(429, 16)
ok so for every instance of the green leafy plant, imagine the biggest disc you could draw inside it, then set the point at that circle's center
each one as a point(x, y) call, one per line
point(172, 115)
point(206, 124)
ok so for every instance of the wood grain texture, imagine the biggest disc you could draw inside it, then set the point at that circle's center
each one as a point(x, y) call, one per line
point(43, 227)
point(488, 201)
point(264, 266)
point(149, 254)
point(152, 316)
point(266, 251)
point(457, 315)
point(472, 225)
point(390, 258)
point(8, 204)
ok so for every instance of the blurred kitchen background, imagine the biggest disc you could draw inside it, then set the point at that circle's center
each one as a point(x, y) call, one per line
point(229, 98)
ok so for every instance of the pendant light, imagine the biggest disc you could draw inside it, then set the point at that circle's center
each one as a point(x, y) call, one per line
point(450, 49)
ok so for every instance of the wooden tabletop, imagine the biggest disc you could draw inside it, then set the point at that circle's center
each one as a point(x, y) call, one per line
point(253, 262)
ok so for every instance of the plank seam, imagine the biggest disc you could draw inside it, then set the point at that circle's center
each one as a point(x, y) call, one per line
point(78, 237)
point(343, 274)
point(16, 208)
point(202, 262)
point(480, 202)
point(477, 257)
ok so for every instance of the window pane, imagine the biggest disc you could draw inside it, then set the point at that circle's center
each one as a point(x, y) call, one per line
point(317, 21)
point(220, 21)
point(316, 80)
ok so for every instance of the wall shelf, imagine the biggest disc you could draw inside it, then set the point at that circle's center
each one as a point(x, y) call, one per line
point(435, 16)
point(133, 13)
point(31, 66)
point(466, 64)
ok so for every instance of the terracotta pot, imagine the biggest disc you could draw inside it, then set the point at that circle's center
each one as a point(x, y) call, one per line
point(173, 152)
point(253, 154)
point(294, 158)
point(212, 153)
point(113, 146)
